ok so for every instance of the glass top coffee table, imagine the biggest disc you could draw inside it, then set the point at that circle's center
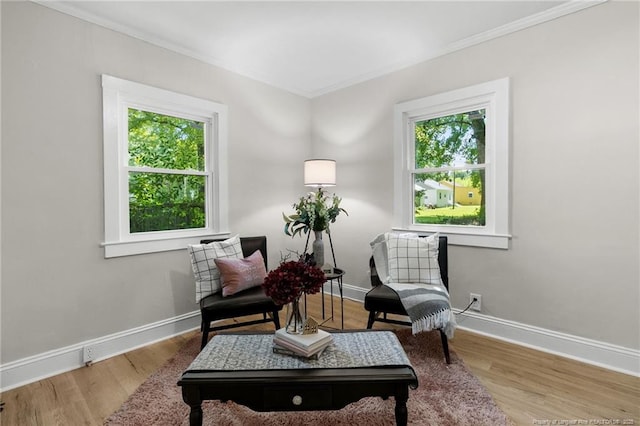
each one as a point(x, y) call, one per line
point(243, 368)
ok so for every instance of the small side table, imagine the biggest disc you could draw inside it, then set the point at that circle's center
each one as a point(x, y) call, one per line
point(335, 275)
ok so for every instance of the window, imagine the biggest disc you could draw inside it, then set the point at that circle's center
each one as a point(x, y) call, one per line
point(455, 144)
point(164, 168)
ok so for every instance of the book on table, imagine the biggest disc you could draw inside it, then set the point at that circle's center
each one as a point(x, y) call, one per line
point(277, 349)
point(304, 344)
point(288, 347)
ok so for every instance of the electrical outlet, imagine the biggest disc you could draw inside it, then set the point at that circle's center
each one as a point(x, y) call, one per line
point(88, 354)
point(476, 301)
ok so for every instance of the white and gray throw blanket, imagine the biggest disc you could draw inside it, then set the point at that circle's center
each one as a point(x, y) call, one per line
point(409, 266)
point(427, 305)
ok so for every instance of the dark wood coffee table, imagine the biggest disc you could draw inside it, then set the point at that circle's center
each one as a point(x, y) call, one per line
point(329, 383)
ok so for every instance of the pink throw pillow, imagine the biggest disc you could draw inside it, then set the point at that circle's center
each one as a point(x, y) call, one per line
point(241, 274)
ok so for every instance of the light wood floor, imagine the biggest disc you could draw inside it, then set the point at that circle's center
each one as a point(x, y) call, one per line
point(531, 387)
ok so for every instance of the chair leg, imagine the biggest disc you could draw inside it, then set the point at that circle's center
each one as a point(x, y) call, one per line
point(206, 325)
point(445, 346)
point(372, 318)
point(276, 319)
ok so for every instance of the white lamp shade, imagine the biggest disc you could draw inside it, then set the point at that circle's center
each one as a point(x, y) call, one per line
point(320, 173)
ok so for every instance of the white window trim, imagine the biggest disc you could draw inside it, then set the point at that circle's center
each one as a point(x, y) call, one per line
point(492, 95)
point(117, 96)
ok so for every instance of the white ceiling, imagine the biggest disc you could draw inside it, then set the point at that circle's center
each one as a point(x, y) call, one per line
point(311, 48)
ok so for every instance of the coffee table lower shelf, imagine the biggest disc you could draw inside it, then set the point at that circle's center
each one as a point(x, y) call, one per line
point(297, 390)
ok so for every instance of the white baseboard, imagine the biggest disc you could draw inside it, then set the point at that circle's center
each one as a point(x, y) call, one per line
point(31, 369)
point(41, 366)
point(606, 355)
point(353, 292)
point(38, 367)
point(602, 354)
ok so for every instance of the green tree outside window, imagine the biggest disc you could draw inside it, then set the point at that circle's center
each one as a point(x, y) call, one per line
point(164, 191)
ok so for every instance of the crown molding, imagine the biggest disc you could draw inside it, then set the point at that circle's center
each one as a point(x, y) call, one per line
point(535, 19)
point(512, 27)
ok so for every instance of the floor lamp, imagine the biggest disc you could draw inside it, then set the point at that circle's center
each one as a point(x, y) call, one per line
point(320, 173)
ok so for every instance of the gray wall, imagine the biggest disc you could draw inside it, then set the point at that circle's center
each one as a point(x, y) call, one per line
point(573, 262)
point(57, 288)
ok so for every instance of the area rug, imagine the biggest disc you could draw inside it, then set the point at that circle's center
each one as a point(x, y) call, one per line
point(446, 395)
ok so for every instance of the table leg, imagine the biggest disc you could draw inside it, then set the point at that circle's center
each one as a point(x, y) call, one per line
point(195, 416)
point(331, 281)
point(191, 395)
point(322, 296)
point(402, 415)
point(341, 302)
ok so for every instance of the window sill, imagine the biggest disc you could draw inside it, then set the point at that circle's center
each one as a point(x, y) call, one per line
point(487, 240)
point(131, 248)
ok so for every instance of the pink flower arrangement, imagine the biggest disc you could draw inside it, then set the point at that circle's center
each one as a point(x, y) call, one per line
point(291, 279)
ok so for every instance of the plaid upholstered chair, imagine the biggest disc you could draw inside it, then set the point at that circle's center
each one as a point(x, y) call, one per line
point(382, 300)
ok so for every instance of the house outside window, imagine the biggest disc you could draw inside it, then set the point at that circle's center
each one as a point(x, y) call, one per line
point(458, 143)
point(165, 168)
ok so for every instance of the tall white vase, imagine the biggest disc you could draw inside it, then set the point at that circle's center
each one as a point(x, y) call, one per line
point(318, 249)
